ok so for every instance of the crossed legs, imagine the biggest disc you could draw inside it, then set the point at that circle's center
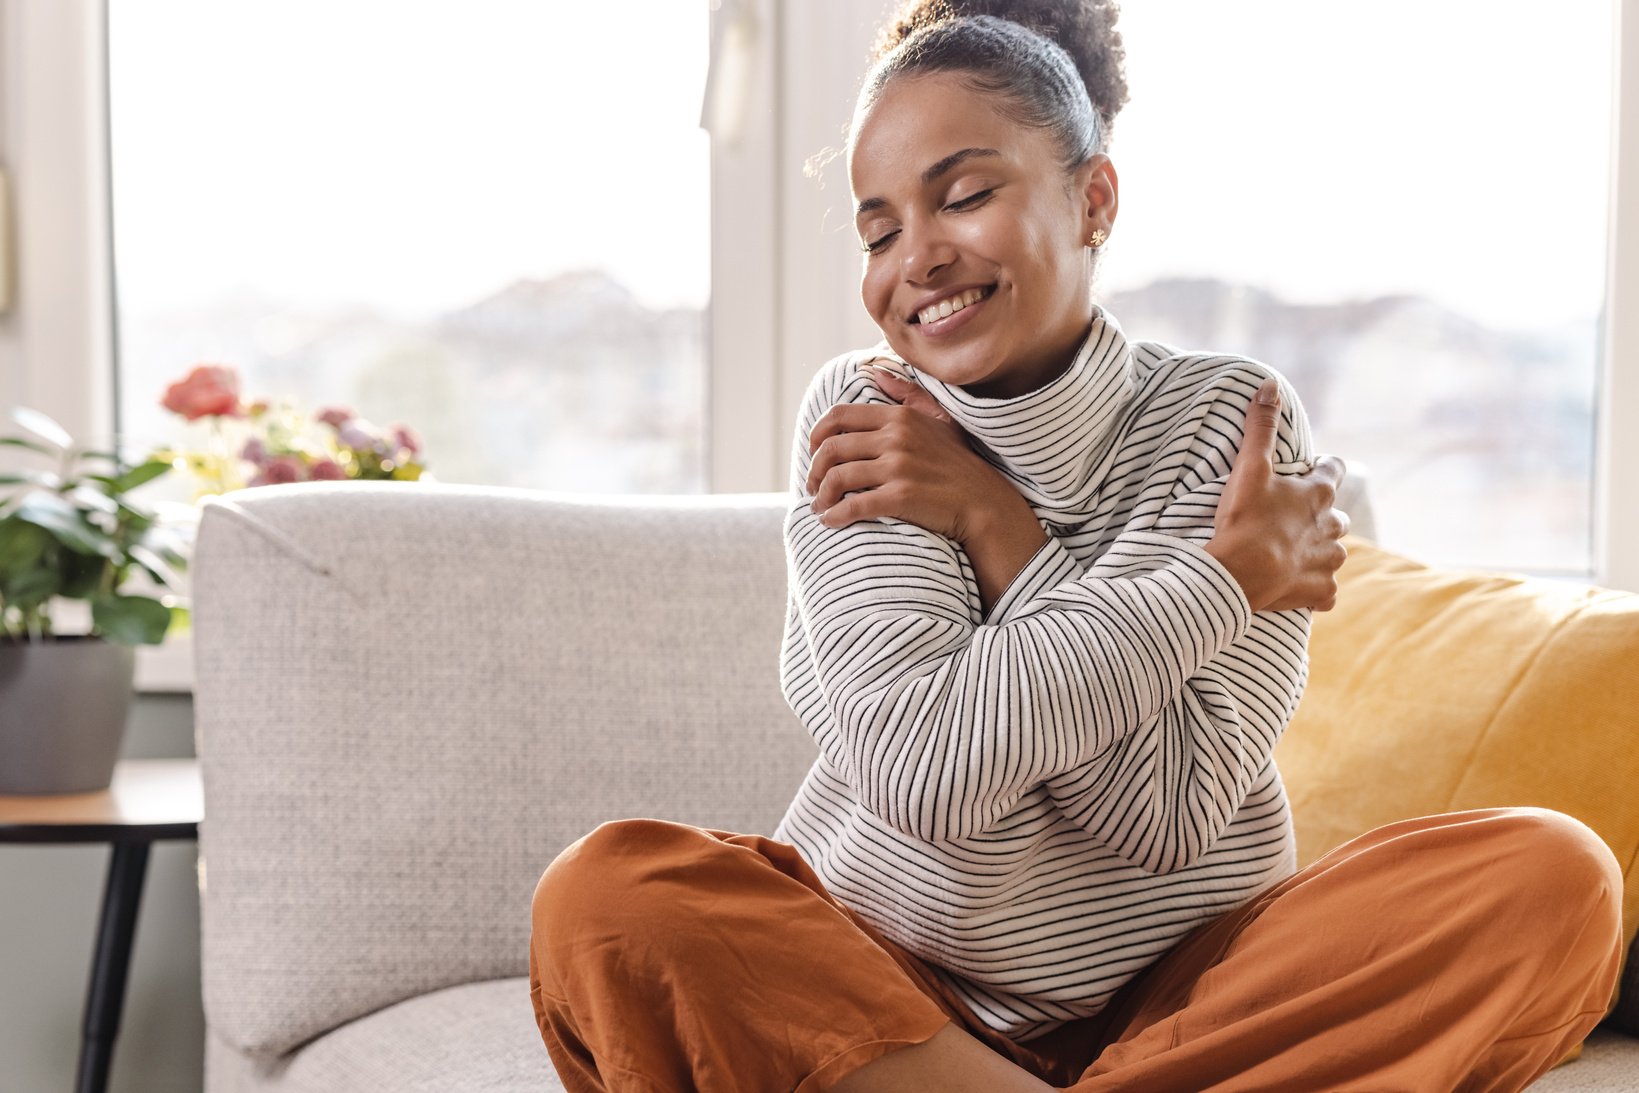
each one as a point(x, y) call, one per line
point(1467, 951)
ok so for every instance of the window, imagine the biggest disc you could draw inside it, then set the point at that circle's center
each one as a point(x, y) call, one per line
point(488, 220)
point(1404, 208)
point(783, 293)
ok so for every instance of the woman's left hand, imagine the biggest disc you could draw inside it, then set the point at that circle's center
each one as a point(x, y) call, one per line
point(909, 461)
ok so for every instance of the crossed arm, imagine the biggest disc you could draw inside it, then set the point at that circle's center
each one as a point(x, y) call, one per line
point(1142, 693)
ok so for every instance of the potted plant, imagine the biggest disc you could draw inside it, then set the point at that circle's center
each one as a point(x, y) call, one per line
point(71, 531)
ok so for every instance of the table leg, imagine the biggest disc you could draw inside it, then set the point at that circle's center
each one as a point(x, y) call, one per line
point(112, 960)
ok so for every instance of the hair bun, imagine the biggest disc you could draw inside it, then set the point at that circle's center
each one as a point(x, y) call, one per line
point(1085, 29)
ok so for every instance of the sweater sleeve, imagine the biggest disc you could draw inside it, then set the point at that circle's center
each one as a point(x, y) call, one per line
point(941, 721)
point(1166, 790)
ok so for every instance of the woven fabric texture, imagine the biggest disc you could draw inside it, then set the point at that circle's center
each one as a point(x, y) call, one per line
point(1435, 689)
point(409, 698)
point(475, 1038)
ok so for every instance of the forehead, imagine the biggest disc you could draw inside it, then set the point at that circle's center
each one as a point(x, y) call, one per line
point(917, 120)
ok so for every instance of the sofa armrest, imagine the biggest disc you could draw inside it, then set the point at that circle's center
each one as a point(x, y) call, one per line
point(409, 698)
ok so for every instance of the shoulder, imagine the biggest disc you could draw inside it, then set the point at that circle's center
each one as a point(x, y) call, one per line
point(1210, 393)
point(839, 380)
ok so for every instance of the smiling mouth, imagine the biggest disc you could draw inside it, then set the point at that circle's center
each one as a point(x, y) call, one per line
point(952, 304)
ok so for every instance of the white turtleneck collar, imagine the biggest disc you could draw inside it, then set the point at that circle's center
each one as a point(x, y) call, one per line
point(1049, 441)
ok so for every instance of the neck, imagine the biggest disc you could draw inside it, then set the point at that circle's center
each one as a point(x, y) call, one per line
point(1053, 362)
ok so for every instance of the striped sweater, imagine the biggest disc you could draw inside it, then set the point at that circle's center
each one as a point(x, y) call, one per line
point(1040, 801)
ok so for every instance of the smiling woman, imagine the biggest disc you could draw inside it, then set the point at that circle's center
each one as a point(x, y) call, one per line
point(1010, 325)
point(1050, 594)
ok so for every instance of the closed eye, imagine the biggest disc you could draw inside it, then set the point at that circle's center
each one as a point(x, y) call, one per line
point(971, 201)
point(877, 245)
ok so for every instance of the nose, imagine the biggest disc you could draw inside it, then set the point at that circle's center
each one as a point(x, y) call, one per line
point(927, 250)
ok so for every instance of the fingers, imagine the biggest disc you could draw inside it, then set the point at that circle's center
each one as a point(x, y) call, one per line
point(849, 417)
point(1335, 523)
point(906, 393)
point(1326, 596)
point(1318, 588)
point(1257, 451)
point(1329, 469)
point(845, 479)
point(839, 449)
point(887, 499)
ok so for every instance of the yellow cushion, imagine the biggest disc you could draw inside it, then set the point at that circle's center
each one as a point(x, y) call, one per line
point(1434, 690)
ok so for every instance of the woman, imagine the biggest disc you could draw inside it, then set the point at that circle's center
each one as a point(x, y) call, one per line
point(1049, 605)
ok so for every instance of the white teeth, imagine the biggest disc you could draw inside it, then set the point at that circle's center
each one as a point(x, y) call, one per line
point(949, 306)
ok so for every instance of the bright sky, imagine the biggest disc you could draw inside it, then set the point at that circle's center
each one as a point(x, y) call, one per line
point(412, 155)
point(1454, 148)
point(418, 156)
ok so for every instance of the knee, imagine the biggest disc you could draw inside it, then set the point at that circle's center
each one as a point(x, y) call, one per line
point(602, 883)
point(1559, 864)
point(602, 872)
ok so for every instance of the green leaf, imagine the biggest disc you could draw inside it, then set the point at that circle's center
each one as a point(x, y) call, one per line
point(44, 428)
point(138, 476)
point(181, 619)
point(56, 515)
point(19, 442)
point(21, 544)
point(30, 588)
point(82, 574)
point(44, 479)
point(131, 620)
point(156, 566)
point(94, 499)
point(167, 543)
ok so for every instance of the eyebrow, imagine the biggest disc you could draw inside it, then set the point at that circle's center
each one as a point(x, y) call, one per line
point(944, 166)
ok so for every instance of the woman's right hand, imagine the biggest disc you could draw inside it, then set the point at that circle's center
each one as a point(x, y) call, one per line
point(1278, 534)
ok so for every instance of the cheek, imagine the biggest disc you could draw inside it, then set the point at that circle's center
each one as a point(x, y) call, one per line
point(875, 290)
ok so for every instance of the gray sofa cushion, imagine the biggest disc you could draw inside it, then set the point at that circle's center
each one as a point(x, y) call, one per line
point(409, 698)
point(477, 1038)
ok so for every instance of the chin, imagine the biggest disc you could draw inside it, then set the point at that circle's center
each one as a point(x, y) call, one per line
point(959, 369)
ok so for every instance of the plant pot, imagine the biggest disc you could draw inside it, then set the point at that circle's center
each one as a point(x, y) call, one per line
point(63, 705)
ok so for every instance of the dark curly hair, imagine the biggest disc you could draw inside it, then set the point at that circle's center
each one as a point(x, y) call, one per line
point(998, 46)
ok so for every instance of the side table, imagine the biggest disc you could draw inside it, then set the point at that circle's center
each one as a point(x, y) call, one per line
point(150, 799)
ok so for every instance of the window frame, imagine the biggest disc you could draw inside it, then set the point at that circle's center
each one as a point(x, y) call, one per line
point(768, 327)
point(1616, 460)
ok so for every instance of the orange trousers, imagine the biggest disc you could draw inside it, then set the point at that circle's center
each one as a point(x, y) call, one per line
point(1466, 951)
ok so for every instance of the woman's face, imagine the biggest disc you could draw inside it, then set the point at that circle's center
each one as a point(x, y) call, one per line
point(976, 264)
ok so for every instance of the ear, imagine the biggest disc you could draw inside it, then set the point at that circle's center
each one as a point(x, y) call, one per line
point(1100, 193)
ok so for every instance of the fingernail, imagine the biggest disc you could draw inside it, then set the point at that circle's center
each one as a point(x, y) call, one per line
point(1269, 393)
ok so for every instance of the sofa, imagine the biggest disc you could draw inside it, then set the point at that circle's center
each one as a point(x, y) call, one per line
point(411, 697)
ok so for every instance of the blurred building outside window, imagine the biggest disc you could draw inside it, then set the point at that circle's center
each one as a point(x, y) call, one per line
point(1403, 207)
point(488, 220)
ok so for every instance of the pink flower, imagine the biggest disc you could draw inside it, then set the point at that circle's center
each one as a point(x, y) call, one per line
point(254, 451)
point(405, 438)
point(327, 470)
point(210, 390)
point(286, 468)
point(358, 435)
point(335, 416)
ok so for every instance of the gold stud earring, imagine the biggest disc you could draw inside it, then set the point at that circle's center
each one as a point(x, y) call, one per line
point(1096, 240)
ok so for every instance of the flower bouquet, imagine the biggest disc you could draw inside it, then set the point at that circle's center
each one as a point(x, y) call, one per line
point(262, 443)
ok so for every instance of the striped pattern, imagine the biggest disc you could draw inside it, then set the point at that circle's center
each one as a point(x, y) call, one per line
point(1042, 801)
